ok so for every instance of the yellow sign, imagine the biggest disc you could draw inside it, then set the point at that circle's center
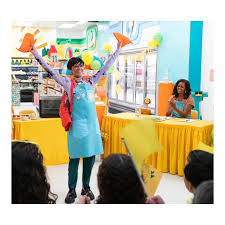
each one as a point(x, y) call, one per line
point(206, 148)
point(117, 75)
point(151, 178)
point(141, 139)
point(118, 89)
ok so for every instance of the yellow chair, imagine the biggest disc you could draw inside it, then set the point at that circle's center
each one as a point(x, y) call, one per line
point(194, 114)
point(27, 112)
point(145, 111)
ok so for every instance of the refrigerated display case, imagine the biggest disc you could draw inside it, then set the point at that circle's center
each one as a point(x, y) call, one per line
point(138, 69)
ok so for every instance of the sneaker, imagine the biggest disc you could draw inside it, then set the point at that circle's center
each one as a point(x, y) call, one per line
point(70, 197)
point(87, 191)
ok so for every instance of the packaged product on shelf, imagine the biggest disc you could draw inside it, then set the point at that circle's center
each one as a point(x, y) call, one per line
point(15, 93)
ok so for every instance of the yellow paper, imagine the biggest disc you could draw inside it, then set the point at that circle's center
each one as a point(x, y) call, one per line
point(204, 147)
point(118, 89)
point(151, 178)
point(117, 75)
point(141, 139)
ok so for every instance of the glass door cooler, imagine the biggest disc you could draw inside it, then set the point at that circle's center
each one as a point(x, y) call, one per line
point(137, 81)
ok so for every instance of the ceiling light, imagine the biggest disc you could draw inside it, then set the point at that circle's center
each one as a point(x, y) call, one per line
point(67, 25)
point(23, 23)
point(81, 22)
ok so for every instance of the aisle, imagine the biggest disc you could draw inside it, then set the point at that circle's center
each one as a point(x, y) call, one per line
point(171, 187)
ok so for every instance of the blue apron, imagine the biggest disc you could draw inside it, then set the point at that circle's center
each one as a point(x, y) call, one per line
point(84, 137)
point(180, 105)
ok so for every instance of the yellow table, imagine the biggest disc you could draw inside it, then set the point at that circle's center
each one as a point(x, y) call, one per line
point(49, 134)
point(177, 138)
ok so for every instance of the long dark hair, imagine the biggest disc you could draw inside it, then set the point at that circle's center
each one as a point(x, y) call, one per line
point(187, 88)
point(118, 181)
point(199, 167)
point(29, 181)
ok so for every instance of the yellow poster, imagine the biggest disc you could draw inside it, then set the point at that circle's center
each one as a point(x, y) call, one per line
point(206, 148)
point(117, 75)
point(151, 177)
point(141, 139)
point(118, 89)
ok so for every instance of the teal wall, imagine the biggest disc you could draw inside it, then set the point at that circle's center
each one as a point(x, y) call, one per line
point(179, 52)
point(195, 58)
point(105, 35)
point(173, 52)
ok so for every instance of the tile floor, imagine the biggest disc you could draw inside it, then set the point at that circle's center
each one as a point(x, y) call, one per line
point(171, 187)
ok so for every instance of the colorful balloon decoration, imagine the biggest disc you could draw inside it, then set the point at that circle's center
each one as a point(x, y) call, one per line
point(107, 48)
point(87, 57)
point(157, 38)
point(95, 65)
point(153, 44)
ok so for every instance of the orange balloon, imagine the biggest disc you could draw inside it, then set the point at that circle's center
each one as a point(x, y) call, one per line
point(28, 42)
point(122, 39)
point(87, 67)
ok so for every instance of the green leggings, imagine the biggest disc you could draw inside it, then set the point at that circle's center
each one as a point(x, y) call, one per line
point(73, 171)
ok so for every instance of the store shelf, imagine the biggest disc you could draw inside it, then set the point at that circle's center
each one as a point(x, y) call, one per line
point(27, 81)
point(22, 58)
point(19, 66)
point(31, 75)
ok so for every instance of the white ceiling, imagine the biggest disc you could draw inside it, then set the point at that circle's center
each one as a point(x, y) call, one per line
point(52, 24)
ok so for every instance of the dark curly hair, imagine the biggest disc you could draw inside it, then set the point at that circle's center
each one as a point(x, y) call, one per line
point(118, 181)
point(74, 60)
point(29, 181)
point(199, 167)
point(187, 88)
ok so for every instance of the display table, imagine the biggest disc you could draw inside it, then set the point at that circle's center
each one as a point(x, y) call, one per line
point(49, 134)
point(177, 138)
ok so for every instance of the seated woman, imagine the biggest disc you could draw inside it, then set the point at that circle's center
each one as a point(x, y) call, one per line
point(29, 181)
point(181, 103)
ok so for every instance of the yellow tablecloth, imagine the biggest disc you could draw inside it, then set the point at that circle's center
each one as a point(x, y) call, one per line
point(177, 138)
point(49, 134)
